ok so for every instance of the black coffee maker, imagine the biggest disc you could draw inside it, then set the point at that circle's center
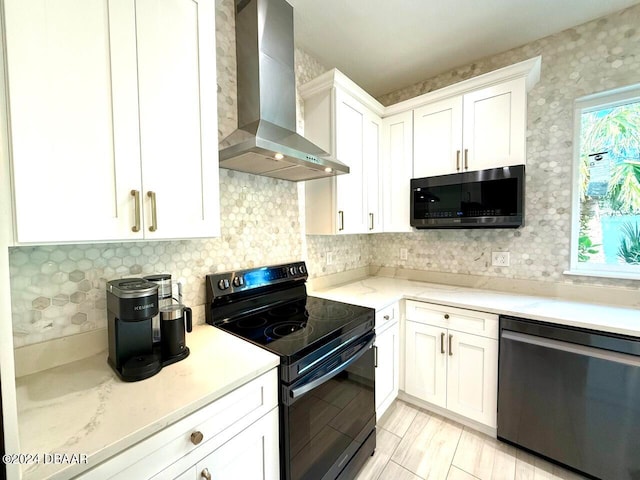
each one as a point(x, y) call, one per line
point(132, 303)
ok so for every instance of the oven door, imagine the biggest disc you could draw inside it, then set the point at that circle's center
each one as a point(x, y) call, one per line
point(328, 414)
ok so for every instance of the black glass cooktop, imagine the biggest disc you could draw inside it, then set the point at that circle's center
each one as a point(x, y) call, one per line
point(300, 325)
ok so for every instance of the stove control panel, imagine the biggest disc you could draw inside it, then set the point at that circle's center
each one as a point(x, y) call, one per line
point(229, 283)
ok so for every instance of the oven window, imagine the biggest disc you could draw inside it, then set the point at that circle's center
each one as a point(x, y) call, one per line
point(326, 421)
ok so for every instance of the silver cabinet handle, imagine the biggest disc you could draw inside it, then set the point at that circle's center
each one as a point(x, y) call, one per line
point(375, 356)
point(442, 343)
point(450, 347)
point(386, 317)
point(154, 211)
point(196, 437)
point(341, 215)
point(136, 215)
point(205, 474)
point(371, 221)
point(466, 159)
point(457, 159)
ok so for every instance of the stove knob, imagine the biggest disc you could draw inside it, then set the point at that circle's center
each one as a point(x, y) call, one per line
point(303, 269)
point(293, 270)
point(238, 281)
point(223, 284)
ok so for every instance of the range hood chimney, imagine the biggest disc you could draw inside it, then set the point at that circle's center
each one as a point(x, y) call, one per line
point(266, 142)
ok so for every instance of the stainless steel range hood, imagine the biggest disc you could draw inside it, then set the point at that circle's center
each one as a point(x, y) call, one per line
point(266, 142)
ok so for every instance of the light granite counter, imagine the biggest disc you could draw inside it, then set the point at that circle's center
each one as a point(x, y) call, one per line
point(378, 292)
point(83, 407)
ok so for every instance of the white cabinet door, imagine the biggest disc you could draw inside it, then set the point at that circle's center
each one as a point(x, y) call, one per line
point(371, 172)
point(438, 138)
point(74, 118)
point(425, 363)
point(253, 454)
point(348, 203)
point(397, 171)
point(350, 123)
point(178, 117)
point(495, 126)
point(472, 377)
point(387, 370)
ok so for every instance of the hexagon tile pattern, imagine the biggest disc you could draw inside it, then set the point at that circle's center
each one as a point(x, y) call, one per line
point(60, 290)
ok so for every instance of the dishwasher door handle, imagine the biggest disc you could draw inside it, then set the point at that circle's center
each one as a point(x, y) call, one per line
point(574, 348)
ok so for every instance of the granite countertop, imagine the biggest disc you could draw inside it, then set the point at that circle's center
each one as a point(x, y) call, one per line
point(83, 407)
point(378, 292)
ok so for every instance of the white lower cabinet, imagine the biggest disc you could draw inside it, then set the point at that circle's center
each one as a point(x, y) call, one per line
point(387, 357)
point(252, 454)
point(236, 436)
point(451, 360)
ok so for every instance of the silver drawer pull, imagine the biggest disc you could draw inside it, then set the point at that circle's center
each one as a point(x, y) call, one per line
point(196, 438)
point(386, 317)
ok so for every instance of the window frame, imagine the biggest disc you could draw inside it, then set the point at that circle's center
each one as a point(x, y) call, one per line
point(590, 103)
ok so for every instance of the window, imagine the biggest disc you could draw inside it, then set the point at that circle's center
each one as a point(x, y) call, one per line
point(606, 213)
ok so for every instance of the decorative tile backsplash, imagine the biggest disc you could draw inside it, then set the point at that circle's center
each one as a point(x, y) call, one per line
point(59, 290)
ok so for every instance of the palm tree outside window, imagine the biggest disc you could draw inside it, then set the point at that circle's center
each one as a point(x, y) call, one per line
point(606, 213)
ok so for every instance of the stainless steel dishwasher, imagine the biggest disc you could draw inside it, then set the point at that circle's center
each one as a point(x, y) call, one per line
point(571, 395)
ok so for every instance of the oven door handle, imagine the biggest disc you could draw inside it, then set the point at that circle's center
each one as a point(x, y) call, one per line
point(301, 390)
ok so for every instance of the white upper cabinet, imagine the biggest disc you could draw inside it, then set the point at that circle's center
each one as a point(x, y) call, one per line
point(397, 171)
point(111, 100)
point(340, 118)
point(476, 124)
point(350, 125)
point(438, 138)
point(495, 126)
point(178, 117)
point(482, 129)
point(371, 170)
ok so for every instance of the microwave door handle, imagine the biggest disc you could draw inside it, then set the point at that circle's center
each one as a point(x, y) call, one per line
point(302, 389)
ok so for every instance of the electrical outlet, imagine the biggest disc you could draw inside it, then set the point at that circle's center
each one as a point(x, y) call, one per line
point(329, 256)
point(403, 254)
point(500, 259)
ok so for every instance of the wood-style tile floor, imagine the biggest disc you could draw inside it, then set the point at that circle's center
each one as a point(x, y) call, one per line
point(414, 444)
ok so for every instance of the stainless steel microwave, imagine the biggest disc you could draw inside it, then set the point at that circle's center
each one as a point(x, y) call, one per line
point(483, 199)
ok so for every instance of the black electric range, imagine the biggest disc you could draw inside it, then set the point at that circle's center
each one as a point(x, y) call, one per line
point(326, 364)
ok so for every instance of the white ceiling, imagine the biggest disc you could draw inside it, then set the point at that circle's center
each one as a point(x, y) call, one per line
point(384, 45)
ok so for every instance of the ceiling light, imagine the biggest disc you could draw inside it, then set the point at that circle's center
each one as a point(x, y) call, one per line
point(278, 156)
point(328, 170)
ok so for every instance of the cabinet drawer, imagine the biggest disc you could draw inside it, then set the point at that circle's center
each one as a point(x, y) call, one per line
point(217, 422)
point(468, 321)
point(387, 316)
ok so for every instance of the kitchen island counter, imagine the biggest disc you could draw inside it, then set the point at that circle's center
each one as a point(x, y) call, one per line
point(83, 408)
